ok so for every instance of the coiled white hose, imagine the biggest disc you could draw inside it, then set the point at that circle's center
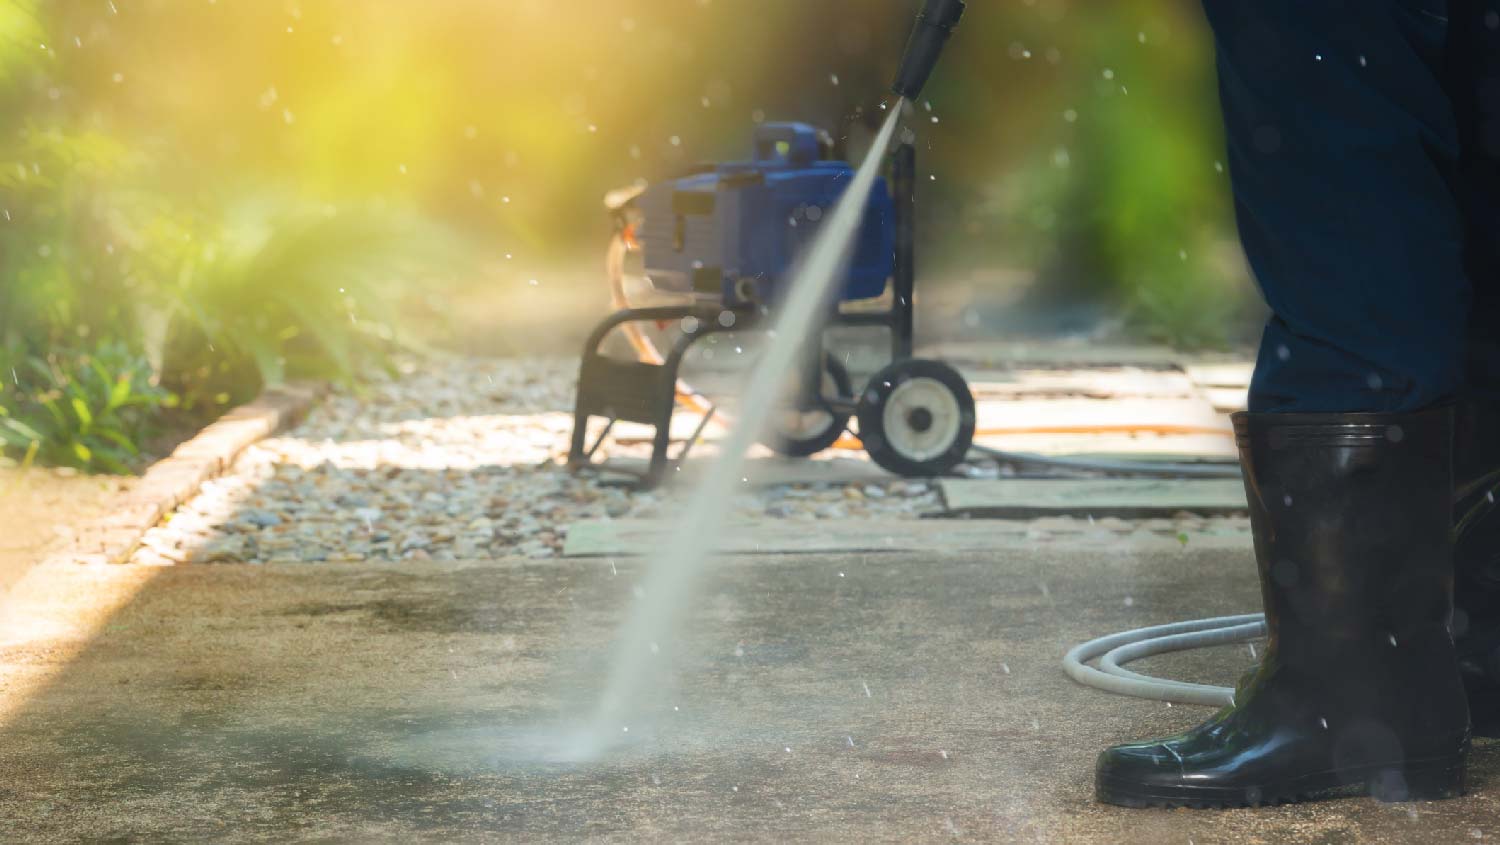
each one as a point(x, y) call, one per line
point(1116, 650)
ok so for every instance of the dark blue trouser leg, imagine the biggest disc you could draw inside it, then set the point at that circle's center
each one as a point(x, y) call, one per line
point(1473, 72)
point(1344, 148)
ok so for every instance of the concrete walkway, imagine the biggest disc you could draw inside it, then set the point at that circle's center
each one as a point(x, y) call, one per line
point(820, 697)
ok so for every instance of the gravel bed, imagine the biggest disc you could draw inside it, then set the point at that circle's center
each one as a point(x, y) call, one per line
point(454, 459)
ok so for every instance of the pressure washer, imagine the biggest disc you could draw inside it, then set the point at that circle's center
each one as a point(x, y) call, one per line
point(724, 239)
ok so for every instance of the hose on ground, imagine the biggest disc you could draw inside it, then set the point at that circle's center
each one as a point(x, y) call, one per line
point(1116, 650)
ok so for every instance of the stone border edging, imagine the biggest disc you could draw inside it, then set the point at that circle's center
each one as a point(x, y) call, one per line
point(178, 477)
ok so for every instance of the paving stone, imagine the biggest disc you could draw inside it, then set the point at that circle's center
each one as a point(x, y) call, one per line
point(605, 538)
point(1097, 497)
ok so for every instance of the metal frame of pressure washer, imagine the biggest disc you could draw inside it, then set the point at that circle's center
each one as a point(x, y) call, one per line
point(640, 392)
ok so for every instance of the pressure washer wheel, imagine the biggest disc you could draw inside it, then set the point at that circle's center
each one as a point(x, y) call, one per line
point(917, 418)
point(805, 431)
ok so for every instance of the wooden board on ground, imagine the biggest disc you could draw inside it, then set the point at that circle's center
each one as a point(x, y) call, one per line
point(1051, 354)
point(1176, 448)
point(1129, 498)
point(1227, 400)
point(1114, 383)
point(1182, 416)
point(771, 471)
point(1221, 374)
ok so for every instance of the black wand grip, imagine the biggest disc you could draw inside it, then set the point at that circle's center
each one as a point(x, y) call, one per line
point(934, 25)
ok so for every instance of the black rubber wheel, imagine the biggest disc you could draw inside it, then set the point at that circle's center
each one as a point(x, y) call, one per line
point(804, 432)
point(917, 418)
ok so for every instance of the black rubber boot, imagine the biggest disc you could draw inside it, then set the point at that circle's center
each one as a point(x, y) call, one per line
point(1359, 684)
point(1476, 515)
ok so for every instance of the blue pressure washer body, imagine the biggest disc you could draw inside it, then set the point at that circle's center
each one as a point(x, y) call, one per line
point(733, 231)
point(730, 235)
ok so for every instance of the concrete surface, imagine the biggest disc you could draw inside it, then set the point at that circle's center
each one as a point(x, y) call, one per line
point(875, 697)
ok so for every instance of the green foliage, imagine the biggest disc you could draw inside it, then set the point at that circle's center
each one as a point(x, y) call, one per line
point(21, 37)
point(64, 250)
point(274, 293)
point(90, 410)
point(128, 289)
point(1118, 193)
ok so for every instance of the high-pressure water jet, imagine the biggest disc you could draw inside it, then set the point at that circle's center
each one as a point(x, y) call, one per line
point(799, 314)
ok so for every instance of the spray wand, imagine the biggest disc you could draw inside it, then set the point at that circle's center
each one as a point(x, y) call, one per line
point(935, 24)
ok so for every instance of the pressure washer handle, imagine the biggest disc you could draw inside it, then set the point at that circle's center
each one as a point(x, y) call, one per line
point(934, 25)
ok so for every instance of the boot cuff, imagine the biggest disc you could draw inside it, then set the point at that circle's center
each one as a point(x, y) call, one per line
point(1279, 431)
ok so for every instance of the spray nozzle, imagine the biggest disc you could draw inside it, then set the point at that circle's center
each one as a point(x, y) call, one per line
point(934, 25)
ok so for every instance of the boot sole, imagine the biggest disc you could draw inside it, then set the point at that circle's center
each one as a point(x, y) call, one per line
point(1414, 780)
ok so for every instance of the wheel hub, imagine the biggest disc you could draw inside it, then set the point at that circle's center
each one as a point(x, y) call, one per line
point(922, 419)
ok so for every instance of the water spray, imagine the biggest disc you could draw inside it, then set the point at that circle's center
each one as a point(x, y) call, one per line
point(671, 578)
point(799, 316)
